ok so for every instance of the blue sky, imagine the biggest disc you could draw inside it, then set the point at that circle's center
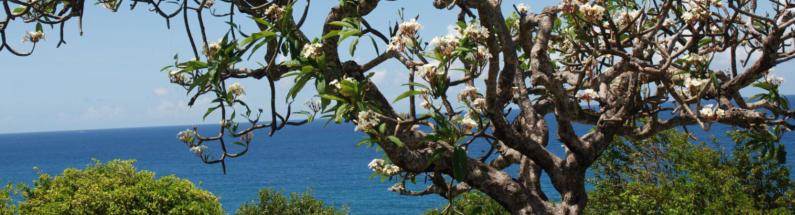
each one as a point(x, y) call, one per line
point(110, 78)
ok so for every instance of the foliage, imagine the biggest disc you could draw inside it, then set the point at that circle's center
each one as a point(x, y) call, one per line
point(273, 202)
point(5, 199)
point(759, 161)
point(666, 174)
point(472, 203)
point(115, 188)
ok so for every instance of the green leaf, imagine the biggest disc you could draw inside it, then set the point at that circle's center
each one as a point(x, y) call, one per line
point(209, 110)
point(19, 10)
point(407, 94)
point(239, 143)
point(395, 140)
point(39, 28)
point(374, 45)
point(353, 45)
point(460, 163)
point(332, 97)
point(341, 24)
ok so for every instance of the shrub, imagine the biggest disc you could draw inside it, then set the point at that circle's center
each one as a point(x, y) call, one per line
point(472, 203)
point(5, 199)
point(115, 188)
point(273, 202)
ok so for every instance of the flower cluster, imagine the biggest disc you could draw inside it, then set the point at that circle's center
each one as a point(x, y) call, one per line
point(468, 123)
point(772, 80)
point(482, 55)
point(186, 136)
point(274, 12)
point(236, 89)
point(479, 103)
point(176, 76)
point(312, 50)
point(469, 92)
point(625, 17)
point(699, 9)
point(569, 6)
point(475, 32)
point(407, 32)
point(588, 95)
point(522, 8)
point(210, 50)
point(209, 3)
point(444, 45)
point(380, 166)
point(427, 104)
point(366, 121)
point(409, 28)
point(711, 114)
point(198, 149)
point(314, 105)
point(592, 12)
point(695, 84)
point(34, 36)
point(427, 71)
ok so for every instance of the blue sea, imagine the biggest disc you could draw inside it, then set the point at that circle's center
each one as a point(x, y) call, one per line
point(315, 156)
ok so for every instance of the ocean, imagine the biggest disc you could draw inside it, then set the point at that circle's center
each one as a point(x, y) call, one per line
point(315, 156)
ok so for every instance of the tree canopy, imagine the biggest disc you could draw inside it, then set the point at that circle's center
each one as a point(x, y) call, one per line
point(640, 67)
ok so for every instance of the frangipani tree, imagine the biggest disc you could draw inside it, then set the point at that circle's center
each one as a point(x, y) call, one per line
point(625, 59)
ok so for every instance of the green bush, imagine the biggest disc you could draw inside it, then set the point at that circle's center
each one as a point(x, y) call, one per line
point(115, 188)
point(666, 174)
point(6, 208)
point(472, 203)
point(273, 202)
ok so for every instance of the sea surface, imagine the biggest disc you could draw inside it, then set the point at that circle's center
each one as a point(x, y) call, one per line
point(315, 156)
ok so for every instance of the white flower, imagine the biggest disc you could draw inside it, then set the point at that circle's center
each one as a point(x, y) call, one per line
point(687, 16)
point(522, 8)
point(592, 12)
point(236, 89)
point(312, 50)
point(198, 149)
point(588, 95)
point(409, 28)
point(468, 92)
point(176, 76)
point(34, 36)
point(209, 3)
point(668, 22)
point(376, 165)
point(468, 123)
point(476, 32)
point(772, 80)
point(426, 104)
point(427, 71)
point(391, 169)
point(714, 29)
point(186, 135)
point(415, 127)
point(444, 45)
point(274, 12)
point(366, 121)
point(711, 114)
point(397, 43)
point(483, 54)
point(336, 83)
point(694, 84)
point(212, 48)
point(479, 103)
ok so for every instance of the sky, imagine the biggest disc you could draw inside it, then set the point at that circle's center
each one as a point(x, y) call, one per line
point(110, 76)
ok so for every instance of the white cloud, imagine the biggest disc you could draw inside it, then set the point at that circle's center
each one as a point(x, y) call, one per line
point(104, 112)
point(160, 91)
point(379, 76)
